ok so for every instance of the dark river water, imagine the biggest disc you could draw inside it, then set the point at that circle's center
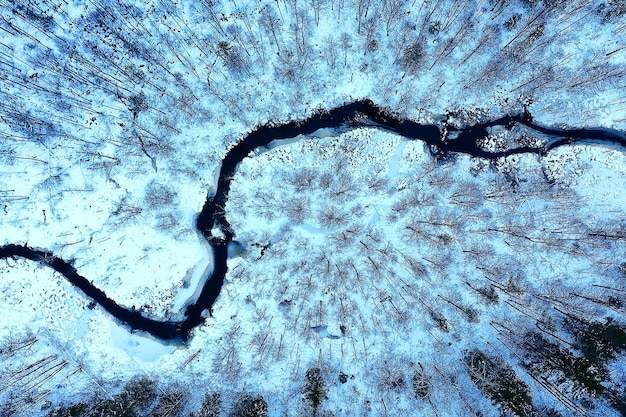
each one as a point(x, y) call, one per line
point(354, 115)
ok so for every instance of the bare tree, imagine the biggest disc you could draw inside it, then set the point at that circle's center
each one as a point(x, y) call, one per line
point(330, 52)
point(370, 27)
point(271, 23)
point(391, 10)
point(345, 43)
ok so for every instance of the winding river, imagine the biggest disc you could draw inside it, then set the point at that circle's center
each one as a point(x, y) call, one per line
point(358, 114)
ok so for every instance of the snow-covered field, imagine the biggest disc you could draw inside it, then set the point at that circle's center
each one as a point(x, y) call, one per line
point(365, 263)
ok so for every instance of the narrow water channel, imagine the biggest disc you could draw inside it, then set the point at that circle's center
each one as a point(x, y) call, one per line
point(358, 114)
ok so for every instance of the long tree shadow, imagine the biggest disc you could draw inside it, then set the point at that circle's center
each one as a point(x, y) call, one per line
point(362, 113)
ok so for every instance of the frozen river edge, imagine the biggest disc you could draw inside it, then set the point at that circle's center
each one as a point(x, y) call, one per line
point(442, 140)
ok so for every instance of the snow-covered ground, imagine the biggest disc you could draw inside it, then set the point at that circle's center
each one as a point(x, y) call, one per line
point(361, 253)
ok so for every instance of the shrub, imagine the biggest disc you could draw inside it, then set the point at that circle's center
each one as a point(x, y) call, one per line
point(343, 378)
point(472, 314)
point(536, 33)
point(530, 3)
point(441, 322)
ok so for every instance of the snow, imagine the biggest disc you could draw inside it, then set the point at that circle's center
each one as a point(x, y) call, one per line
point(117, 193)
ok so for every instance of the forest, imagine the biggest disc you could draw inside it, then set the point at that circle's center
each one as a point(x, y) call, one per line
point(366, 272)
